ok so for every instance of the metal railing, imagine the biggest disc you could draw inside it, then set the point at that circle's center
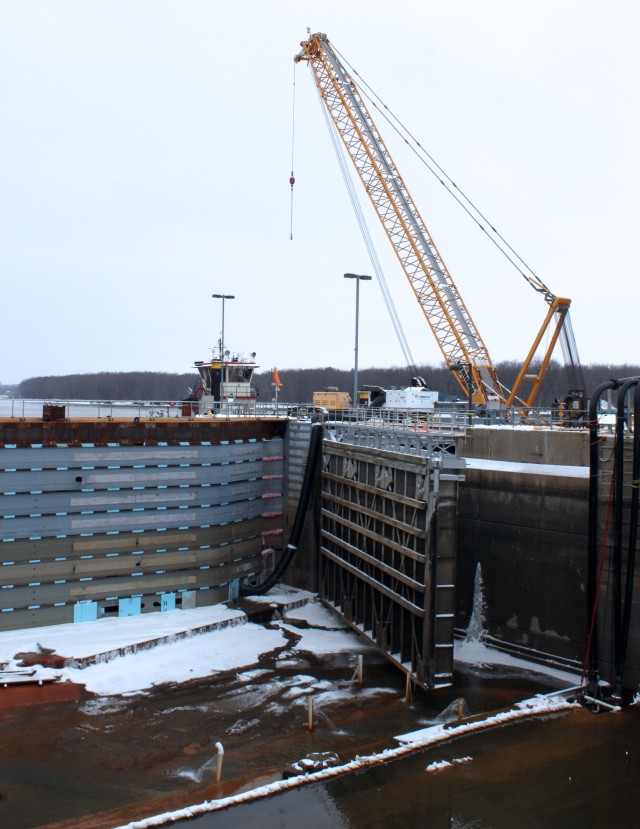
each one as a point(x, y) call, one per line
point(53, 409)
point(56, 409)
point(450, 416)
point(446, 417)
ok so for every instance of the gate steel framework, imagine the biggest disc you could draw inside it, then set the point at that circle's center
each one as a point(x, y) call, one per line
point(387, 550)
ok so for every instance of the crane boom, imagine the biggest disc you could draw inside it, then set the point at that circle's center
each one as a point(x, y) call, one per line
point(455, 332)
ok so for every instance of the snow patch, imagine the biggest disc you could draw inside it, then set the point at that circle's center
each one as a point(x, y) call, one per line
point(441, 765)
point(316, 615)
point(482, 656)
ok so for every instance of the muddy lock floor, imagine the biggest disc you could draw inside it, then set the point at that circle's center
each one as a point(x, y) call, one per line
point(68, 760)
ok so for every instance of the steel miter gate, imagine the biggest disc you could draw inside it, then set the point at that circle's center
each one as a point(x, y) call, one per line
point(387, 549)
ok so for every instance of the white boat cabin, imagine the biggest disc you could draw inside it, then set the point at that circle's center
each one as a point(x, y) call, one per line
point(226, 381)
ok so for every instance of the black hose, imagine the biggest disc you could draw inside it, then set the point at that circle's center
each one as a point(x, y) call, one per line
point(633, 532)
point(618, 510)
point(592, 532)
point(313, 456)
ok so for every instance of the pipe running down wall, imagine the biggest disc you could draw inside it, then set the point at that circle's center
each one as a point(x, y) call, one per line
point(315, 447)
point(612, 541)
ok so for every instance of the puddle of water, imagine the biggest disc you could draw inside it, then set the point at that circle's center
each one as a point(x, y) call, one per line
point(55, 762)
point(577, 769)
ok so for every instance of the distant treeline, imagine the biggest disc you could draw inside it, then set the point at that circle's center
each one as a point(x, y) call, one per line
point(111, 385)
point(298, 385)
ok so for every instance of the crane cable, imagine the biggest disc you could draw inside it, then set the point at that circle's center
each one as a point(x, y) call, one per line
point(375, 262)
point(366, 235)
point(567, 339)
point(292, 179)
point(570, 351)
point(534, 280)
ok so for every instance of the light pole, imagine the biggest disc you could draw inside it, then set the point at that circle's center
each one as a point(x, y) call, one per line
point(222, 297)
point(357, 277)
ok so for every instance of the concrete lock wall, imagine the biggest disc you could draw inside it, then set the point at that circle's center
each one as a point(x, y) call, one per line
point(559, 447)
point(523, 517)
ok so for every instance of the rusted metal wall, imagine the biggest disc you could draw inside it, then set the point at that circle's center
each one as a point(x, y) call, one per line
point(137, 431)
point(175, 522)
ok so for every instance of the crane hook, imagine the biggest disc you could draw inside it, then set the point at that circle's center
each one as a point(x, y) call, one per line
point(292, 181)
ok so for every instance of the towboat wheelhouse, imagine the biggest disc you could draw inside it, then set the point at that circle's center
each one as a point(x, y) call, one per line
point(226, 380)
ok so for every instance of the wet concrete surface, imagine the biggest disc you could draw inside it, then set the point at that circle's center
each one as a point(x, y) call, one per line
point(67, 761)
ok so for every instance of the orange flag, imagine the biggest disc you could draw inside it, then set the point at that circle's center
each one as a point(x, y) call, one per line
point(276, 379)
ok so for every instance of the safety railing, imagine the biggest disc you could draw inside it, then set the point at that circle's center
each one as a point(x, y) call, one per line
point(454, 415)
point(60, 409)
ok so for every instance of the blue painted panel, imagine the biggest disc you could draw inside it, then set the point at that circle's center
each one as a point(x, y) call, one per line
point(167, 602)
point(85, 611)
point(130, 606)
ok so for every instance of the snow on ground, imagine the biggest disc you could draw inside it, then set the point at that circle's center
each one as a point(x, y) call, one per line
point(326, 632)
point(282, 594)
point(322, 641)
point(317, 615)
point(197, 657)
point(237, 644)
point(479, 654)
point(91, 638)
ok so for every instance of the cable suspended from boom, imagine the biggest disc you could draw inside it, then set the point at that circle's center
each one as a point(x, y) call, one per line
point(438, 297)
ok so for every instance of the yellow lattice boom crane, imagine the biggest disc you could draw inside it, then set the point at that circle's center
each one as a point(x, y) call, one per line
point(456, 334)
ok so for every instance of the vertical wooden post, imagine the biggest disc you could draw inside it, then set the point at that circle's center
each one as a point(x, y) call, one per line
point(407, 693)
point(310, 711)
point(360, 660)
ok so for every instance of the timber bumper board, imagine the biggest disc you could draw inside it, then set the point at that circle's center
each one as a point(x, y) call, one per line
point(128, 523)
point(136, 431)
point(387, 553)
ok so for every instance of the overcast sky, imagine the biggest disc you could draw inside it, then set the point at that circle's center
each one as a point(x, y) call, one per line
point(145, 154)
